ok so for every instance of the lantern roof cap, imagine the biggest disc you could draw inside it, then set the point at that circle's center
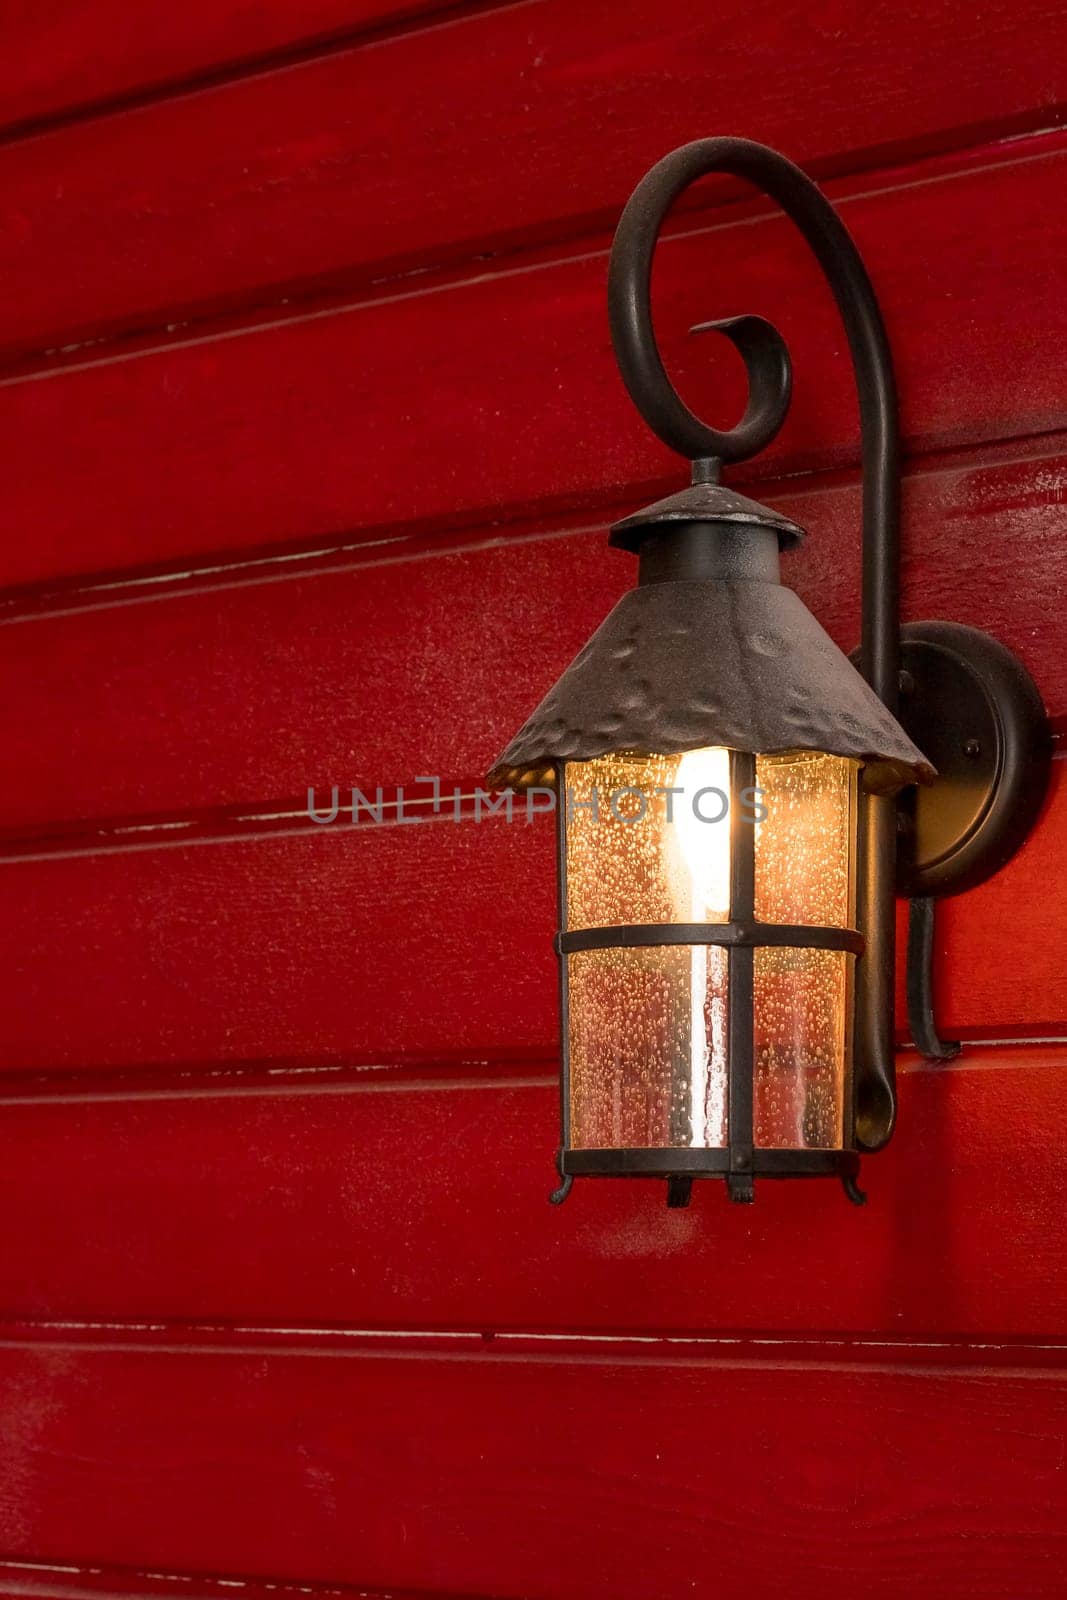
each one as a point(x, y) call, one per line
point(682, 665)
point(705, 501)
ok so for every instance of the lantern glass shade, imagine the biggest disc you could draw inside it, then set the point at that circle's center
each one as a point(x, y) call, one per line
point(802, 998)
point(708, 836)
point(634, 854)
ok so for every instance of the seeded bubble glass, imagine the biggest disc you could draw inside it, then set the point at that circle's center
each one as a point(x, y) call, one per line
point(648, 1042)
point(648, 1026)
point(636, 852)
point(803, 998)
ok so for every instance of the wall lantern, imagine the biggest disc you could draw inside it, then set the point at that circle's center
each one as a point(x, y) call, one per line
point(731, 788)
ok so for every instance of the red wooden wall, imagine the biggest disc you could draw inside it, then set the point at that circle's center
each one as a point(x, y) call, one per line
point(310, 433)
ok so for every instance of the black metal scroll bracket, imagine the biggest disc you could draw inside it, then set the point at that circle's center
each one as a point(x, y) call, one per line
point(767, 363)
point(566, 1183)
point(920, 983)
point(975, 712)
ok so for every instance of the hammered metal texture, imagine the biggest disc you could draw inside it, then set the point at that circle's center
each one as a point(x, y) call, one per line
point(677, 666)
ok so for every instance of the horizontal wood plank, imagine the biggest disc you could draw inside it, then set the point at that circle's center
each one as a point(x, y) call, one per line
point(531, 120)
point(373, 674)
point(500, 1477)
point(385, 940)
point(72, 57)
point(308, 1201)
point(392, 414)
point(314, 948)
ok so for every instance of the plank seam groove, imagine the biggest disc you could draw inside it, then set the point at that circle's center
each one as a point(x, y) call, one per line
point(226, 824)
point(393, 545)
point(396, 807)
point(746, 1351)
point(179, 324)
point(419, 16)
point(289, 1089)
point(212, 1081)
point(76, 1581)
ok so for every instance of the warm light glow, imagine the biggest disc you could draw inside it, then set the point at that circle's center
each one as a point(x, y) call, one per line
point(802, 998)
point(800, 1026)
point(637, 850)
point(646, 1072)
point(649, 1026)
point(804, 856)
point(648, 1031)
point(702, 831)
point(702, 835)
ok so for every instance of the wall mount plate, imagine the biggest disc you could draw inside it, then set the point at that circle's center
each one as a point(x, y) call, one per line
point(974, 711)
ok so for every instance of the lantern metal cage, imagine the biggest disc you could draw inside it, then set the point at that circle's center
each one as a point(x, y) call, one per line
point(823, 1134)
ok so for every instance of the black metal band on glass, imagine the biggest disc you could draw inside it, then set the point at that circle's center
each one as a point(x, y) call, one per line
point(741, 989)
point(767, 363)
point(566, 1180)
point(699, 1163)
point(732, 935)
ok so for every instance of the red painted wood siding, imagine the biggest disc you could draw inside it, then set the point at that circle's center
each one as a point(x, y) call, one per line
point(311, 432)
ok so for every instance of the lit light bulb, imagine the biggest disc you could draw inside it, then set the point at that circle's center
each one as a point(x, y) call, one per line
point(702, 832)
point(703, 841)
